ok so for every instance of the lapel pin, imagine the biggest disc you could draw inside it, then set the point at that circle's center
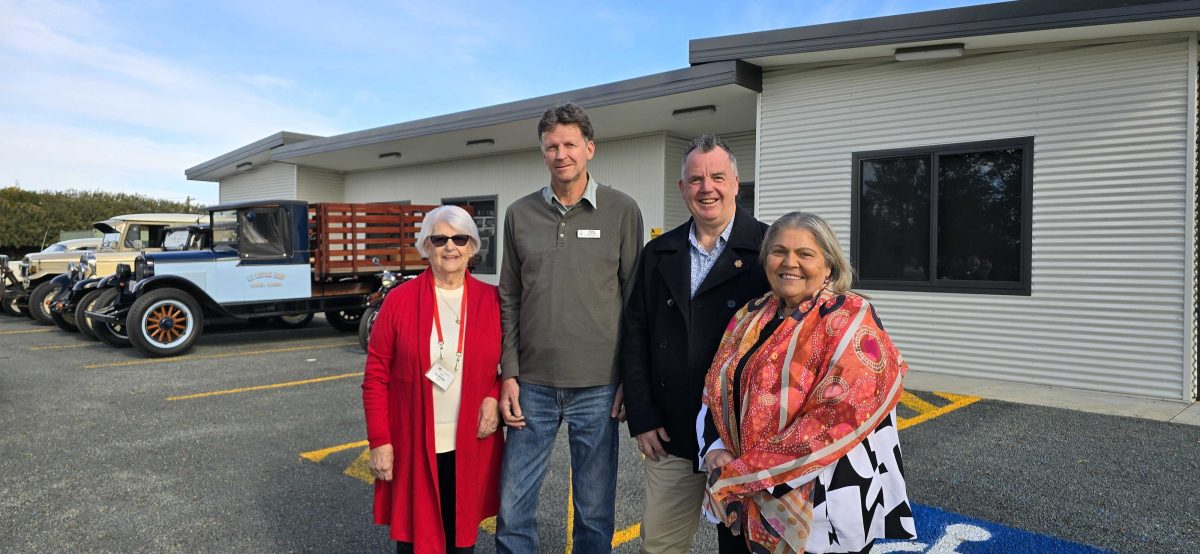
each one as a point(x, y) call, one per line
point(737, 263)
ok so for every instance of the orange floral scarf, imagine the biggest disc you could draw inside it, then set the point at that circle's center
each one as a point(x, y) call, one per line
point(822, 382)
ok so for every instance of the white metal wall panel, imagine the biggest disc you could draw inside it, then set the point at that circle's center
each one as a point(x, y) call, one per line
point(273, 181)
point(1111, 238)
point(674, 211)
point(742, 145)
point(319, 185)
point(632, 165)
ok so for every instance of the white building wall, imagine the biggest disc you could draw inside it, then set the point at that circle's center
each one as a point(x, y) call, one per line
point(632, 165)
point(273, 181)
point(1112, 240)
point(319, 185)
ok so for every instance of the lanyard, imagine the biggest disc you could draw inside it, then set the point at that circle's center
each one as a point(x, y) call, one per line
point(437, 324)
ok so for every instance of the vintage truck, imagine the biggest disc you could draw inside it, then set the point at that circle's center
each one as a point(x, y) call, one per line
point(124, 237)
point(9, 279)
point(268, 259)
point(91, 278)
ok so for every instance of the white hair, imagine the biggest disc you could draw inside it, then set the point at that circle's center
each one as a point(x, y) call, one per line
point(454, 216)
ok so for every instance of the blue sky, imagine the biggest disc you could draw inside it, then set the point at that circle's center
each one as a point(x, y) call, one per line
point(126, 95)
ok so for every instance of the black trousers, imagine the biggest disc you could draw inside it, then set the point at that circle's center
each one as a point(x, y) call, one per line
point(727, 543)
point(445, 469)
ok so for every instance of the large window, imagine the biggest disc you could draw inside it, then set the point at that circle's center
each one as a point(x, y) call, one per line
point(946, 218)
point(485, 218)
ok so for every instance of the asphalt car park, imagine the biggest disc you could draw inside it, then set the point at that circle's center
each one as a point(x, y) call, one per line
point(253, 443)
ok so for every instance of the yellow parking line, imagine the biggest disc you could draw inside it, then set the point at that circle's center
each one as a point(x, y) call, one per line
point(60, 346)
point(265, 387)
point(27, 331)
point(627, 534)
point(217, 356)
point(956, 401)
point(915, 402)
point(318, 455)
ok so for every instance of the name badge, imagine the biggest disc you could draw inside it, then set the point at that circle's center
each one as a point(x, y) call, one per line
point(588, 233)
point(440, 376)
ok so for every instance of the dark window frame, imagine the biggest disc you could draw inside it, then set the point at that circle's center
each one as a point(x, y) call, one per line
point(493, 244)
point(933, 284)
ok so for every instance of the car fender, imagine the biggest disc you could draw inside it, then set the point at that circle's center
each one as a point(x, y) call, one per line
point(138, 288)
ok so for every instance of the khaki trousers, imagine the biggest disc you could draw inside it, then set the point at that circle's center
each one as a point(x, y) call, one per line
point(673, 498)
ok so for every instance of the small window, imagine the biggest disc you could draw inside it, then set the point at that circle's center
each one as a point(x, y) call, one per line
point(264, 233)
point(745, 197)
point(948, 218)
point(485, 219)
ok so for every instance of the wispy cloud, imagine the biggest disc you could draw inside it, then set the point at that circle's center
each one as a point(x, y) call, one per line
point(74, 88)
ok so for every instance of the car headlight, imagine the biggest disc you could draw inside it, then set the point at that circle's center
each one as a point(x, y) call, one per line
point(73, 270)
point(388, 279)
point(87, 263)
point(3, 262)
point(142, 268)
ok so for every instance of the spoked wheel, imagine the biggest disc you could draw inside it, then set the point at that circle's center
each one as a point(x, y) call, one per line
point(292, 321)
point(39, 302)
point(165, 322)
point(81, 319)
point(364, 326)
point(344, 320)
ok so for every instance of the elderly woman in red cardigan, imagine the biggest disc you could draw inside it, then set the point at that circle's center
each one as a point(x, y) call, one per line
point(429, 394)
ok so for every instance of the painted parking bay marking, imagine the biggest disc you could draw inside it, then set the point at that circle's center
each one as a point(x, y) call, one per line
point(915, 408)
point(27, 331)
point(941, 532)
point(924, 406)
point(224, 355)
point(267, 387)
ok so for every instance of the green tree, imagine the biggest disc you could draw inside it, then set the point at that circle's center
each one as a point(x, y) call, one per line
point(26, 217)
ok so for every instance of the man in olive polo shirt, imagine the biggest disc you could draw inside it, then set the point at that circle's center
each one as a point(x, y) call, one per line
point(569, 255)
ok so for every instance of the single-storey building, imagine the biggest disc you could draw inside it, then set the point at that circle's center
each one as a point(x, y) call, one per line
point(1015, 182)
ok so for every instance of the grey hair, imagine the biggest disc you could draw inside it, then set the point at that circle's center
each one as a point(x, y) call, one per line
point(706, 143)
point(566, 114)
point(841, 274)
point(454, 216)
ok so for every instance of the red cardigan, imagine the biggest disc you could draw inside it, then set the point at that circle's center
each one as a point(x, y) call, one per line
point(398, 402)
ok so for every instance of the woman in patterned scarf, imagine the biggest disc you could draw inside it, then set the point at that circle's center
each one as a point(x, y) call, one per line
point(798, 427)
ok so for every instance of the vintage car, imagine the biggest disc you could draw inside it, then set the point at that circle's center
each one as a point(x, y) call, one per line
point(84, 278)
point(124, 237)
point(268, 259)
point(9, 279)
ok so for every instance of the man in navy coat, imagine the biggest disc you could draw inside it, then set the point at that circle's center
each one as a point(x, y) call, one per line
point(688, 284)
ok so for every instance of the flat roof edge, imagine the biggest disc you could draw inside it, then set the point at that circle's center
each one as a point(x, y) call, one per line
point(687, 79)
point(196, 173)
point(986, 19)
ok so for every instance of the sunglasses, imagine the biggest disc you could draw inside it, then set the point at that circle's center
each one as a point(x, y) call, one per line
point(439, 241)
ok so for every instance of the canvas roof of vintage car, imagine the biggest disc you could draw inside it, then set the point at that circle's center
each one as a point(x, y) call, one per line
point(110, 225)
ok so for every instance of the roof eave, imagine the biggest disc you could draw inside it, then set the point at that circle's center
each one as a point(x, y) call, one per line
point(987, 19)
point(671, 82)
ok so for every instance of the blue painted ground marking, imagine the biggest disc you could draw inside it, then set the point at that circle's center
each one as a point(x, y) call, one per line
point(940, 532)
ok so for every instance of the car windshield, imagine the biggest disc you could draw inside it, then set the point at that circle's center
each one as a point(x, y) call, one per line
point(110, 241)
point(56, 247)
point(176, 240)
point(224, 229)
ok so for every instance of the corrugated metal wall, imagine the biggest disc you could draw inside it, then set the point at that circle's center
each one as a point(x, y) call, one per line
point(632, 165)
point(275, 181)
point(319, 185)
point(1111, 239)
point(674, 212)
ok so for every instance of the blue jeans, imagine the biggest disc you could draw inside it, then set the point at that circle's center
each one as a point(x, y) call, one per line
point(593, 438)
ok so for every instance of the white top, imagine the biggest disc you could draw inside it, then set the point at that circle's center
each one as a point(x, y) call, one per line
point(446, 402)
